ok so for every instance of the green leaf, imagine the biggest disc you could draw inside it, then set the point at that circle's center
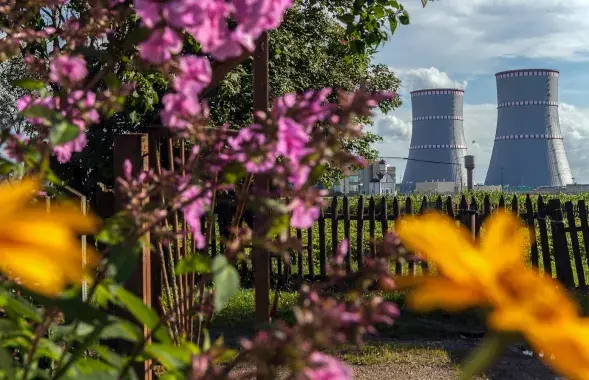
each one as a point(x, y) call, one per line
point(226, 281)
point(122, 262)
point(39, 112)
point(62, 132)
point(424, 2)
point(173, 358)
point(121, 329)
point(487, 353)
point(108, 355)
point(233, 173)
point(91, 369)
point(47, 348)
point(112, 81)
point(393, 24)
point(194, 264)
point(114, 229)
point(140, 311)
point(404, 19)
point(279, 224)
point(29, 84)
point(6, 364)
point(19, 306)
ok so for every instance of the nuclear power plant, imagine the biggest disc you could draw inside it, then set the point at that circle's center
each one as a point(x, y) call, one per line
point(528, 149)
point(437, 149)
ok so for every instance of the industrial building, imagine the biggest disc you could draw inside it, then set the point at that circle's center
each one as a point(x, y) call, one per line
point(378, 178)
point(438, 147)
point(528, 149)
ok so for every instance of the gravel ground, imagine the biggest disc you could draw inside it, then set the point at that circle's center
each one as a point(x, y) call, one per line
point(436, 360)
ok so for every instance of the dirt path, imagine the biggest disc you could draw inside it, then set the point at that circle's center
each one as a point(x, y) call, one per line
point(431, 360)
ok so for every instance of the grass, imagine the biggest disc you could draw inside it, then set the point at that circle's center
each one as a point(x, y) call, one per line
point(392, 353)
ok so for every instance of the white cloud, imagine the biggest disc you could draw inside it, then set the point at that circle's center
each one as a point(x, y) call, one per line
point(391, 127)
point(432, 77)
point(471, 36)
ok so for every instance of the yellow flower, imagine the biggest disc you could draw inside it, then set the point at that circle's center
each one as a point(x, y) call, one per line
point(40, 250)
point(468, 273)
point(493, 274)
point(564, 347)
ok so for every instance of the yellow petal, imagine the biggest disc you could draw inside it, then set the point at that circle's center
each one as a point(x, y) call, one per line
point(565, 348)
point(439, 240)
point(67, 215)
point(14, 195)
point(39, 272)
point(441, 293)
point(504, 240)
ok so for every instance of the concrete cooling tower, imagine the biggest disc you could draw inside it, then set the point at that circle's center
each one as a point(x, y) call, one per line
point(528, 148)
point(437, 142)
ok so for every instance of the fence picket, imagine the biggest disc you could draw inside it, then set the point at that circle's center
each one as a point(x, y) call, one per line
point(408, 212)
point(449, 207)
point(322, 245)
point(372, 224)
point(474, 207)
point(334, 227)
point(533, 238)
point(360, 232)
point(348, 257)
point(396, 215)
point(310, 254)
point(584, 227)
point(501, 201)
point(546, 260)
point(564, 270)
point(300, 253)
point(568, 206)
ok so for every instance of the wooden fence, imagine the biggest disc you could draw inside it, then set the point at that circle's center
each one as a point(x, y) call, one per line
point(559, 234)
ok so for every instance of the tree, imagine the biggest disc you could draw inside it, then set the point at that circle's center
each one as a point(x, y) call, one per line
point(312, 49)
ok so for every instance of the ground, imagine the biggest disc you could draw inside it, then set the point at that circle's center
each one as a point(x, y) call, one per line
point(428, 347)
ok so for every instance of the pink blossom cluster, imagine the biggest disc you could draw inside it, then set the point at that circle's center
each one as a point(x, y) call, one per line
point(196, 202)
point(206, 21)
point(79, 108)
point(184, 106)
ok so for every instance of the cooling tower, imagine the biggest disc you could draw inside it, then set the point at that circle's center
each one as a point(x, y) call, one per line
point(528, 148)
point(437, 145)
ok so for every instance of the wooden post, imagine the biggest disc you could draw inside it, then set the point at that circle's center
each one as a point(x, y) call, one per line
point(134, 147)
point(261, 258)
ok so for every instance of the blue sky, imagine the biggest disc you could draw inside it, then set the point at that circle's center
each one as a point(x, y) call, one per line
point(463, 43)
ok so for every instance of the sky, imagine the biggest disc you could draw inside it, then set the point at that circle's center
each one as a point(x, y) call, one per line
point(463, 43)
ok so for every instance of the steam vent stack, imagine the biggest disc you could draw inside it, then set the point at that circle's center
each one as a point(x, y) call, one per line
point(528, 148)
point(437, 142)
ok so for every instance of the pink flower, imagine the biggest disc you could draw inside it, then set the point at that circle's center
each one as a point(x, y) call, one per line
point(64, 151)
point(292, 139)
point(299, 176)
point(251, 149)
point(160, 46)
point(325, 367)
point(179, 109)
point(195, 75)
point(199, 204)
point(341, 252)
point(68, 69)
point(303, 214)
point(149, 10)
